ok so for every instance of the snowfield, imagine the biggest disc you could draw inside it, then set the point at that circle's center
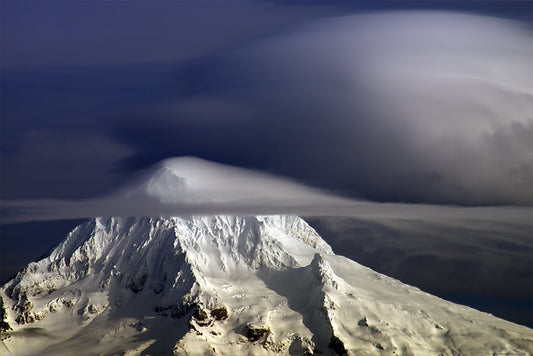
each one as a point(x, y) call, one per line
point(229, 285)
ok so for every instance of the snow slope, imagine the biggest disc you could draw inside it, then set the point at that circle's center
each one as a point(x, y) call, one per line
point(229, 285)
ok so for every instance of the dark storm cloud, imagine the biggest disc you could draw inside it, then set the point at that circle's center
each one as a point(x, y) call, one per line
point(420, 107)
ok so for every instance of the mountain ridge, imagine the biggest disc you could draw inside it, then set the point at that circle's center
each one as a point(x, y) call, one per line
point(229, 285)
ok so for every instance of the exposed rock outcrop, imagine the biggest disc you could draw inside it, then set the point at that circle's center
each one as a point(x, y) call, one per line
point(220, 312)
point(255, 332)
point(4, 325)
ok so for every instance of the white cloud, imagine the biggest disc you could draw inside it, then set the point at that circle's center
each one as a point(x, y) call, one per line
point(189, 186)
point(404, 106)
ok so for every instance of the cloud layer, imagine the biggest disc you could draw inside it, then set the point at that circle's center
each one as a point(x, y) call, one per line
point(424, 107)
point(420, 107)
point(191, 186)
point(185, 186)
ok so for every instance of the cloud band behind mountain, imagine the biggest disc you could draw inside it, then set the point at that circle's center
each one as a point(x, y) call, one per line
point(190, 186)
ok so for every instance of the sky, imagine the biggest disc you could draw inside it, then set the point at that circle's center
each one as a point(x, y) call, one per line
point(410, 104)
point(367, 101)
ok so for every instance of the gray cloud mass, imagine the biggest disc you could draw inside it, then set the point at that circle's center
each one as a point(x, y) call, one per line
point(418, 107)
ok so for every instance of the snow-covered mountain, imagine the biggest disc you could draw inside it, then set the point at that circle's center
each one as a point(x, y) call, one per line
point(226, 285)
point(229, 285)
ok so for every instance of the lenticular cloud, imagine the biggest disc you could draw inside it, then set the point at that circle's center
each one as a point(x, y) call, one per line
point(433, 106)
point(186, 186)
point(410, 106)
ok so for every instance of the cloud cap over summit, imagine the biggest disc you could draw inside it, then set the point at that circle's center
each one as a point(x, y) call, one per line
point(187, 186)
point(408, 106)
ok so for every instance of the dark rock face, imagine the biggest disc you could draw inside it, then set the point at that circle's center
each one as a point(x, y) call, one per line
point(254, 333)
point(92, 309)
point(207, 316)
point(363, 322)
point(337, 345)
point(25, 318)
point(4, 325)
point(378, 346)
point(200, 314)
point(201, 317)
point(137, 285)
point(68, 303)
point(23, 308)
point(219, 312)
